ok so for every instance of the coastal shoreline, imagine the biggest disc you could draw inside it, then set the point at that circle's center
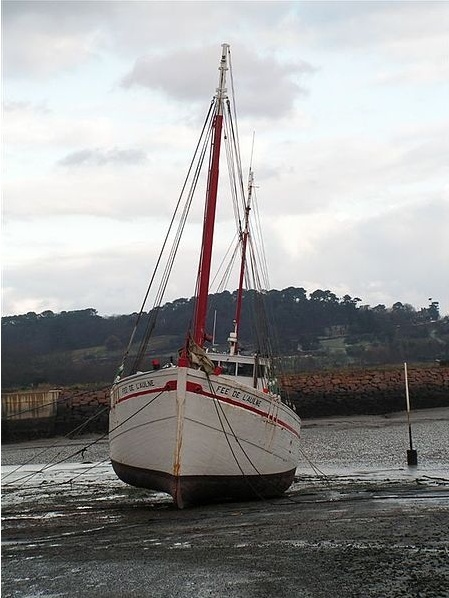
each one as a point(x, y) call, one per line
point(360, 528)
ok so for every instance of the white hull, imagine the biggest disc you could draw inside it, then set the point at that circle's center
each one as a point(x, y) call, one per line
point(201, 438)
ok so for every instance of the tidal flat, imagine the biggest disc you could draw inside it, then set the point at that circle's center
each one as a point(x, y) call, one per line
point(356, 522)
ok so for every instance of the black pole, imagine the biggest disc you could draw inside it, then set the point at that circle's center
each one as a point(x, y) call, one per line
point(412, 455)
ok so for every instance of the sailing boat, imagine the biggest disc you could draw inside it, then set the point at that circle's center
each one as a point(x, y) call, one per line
point(212, 427)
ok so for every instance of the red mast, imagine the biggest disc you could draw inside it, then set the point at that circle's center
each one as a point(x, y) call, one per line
point(204, 268)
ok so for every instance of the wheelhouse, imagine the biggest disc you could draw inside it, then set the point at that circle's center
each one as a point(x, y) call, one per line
point(248, 369)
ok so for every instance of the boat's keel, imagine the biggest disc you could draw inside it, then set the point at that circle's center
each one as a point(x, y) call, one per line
point(194, 490)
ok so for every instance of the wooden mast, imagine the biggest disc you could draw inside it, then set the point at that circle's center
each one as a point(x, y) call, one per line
point(234, 336)
point(199, 329)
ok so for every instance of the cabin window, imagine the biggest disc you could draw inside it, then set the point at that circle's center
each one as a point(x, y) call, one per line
point(240, 369)
point(245, 369)
point(228, 367)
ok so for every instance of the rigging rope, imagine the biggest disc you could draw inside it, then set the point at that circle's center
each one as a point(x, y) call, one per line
point(82, 450)
point(65, 437)
point(223, 417)
point(218, 407)
point(199, 157)
point(150, 326)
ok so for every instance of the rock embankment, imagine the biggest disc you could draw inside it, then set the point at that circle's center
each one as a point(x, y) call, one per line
point(84, 410)
point(316, 394)
point(367, 391)
point(357, 391)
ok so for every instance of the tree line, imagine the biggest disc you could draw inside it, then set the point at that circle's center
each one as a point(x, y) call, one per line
point(82, 346)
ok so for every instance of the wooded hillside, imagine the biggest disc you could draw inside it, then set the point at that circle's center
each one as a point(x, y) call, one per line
point(312, 331)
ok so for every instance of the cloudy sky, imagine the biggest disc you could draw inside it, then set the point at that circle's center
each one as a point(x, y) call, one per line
point(349, 102)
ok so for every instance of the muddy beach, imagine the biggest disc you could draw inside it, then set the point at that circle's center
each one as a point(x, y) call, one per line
point(356, 522)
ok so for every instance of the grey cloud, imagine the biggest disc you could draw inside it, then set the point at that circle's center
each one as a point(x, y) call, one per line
point(21, 106)
point(102, 157)
point(398, 256)
point(90, 279)
point(402, 254)
point(16, 106)
point(412, 35)
point(271, 86)
point(361, 24)
point(42, 38)
point(67, 13)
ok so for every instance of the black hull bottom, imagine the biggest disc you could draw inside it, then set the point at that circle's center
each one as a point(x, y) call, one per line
point(194, 490)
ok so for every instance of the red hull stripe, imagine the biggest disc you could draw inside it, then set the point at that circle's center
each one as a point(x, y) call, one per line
point(196, 388)
point(149, 391)
point(199, 390)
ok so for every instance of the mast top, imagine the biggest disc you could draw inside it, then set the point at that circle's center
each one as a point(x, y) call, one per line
point(221, 89)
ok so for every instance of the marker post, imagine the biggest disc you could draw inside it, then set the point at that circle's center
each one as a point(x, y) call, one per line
point(412, 455)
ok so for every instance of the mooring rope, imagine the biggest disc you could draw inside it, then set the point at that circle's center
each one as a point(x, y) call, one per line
point(30, 475)
point(316, 470)
point(226, 434)
point(53, 446)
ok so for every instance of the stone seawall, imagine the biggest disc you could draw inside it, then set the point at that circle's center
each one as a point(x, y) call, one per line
point(29, 413)
point(367, 391)
point(337, 392)
point(316, 394)
point(82, 410)
point(75, 411)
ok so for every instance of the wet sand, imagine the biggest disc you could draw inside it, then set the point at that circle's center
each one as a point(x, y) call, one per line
point(363, 530)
